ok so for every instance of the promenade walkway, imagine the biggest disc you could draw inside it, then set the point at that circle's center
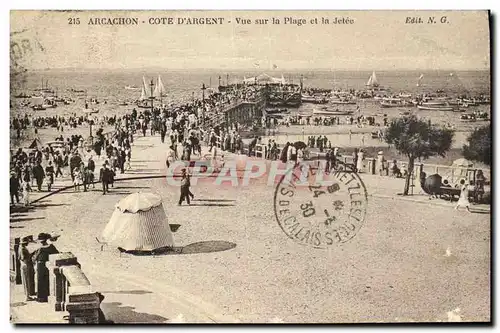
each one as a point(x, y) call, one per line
point(238, 266)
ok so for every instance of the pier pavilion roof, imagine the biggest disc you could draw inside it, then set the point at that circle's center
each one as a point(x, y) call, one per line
point(265, 78)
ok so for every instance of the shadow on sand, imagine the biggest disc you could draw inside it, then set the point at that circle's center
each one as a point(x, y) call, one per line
point(118, 313)
point(25, 219)
point(194, 248)
point(211, 205)
point(214, 200)
point(128, 292)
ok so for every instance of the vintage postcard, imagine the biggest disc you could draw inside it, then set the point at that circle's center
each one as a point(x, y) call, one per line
point(250, 167)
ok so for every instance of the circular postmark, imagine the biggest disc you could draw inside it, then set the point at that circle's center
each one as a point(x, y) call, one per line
point(320, 209)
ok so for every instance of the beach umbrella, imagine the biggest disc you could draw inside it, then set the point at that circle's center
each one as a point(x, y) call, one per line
point(432, 184)
point(139, 223)
point(300, 145)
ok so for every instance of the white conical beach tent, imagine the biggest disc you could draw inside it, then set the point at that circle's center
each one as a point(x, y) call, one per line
point(139, 223)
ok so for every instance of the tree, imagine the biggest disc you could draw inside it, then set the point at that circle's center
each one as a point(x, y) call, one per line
point(478, 147)
point(417, 138)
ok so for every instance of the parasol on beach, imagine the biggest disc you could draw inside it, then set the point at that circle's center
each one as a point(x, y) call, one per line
point(300, 145)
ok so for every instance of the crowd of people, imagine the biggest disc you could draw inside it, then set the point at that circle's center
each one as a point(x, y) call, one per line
point(304, 120)
point(71, 158)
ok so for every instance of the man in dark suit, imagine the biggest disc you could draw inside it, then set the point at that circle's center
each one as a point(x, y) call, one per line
point(185, 183)
point(14, 188)
point(39, 175)
point(105, 178)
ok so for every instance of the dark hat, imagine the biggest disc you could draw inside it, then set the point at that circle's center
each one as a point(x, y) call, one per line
point(27, 239)
point(43, 236)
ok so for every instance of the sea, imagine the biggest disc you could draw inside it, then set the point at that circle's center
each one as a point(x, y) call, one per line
point(185, 85)
point(182, 86)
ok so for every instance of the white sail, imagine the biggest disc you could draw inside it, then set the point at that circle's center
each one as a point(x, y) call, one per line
point(374, 79)
point(420, 79)
point(143, 94)
point(159, 89)
point(370, 81)
point(147, 92)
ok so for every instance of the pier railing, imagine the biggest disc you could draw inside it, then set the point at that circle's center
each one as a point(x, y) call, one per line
point(71, 290)
point(451, 173)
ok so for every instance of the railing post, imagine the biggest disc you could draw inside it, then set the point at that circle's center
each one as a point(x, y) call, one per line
point(81, 302)
point(58, 291)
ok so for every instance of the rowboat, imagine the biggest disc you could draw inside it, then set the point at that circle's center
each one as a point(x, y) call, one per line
point(342, 101)
point(326, 112)
point(435, 108)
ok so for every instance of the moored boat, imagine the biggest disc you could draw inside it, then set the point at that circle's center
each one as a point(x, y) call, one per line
point(329, 112)
point(434, 103)
point(277, 111)
point(342, 101)
point(435, 108)
point(468, 117)
point(393, 103)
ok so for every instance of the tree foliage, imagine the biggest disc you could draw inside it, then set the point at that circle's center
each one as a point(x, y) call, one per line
point(478, 147)
point(417, 138)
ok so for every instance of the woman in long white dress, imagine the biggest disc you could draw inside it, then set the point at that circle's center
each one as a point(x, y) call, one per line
point(464, 196)
point(361, 157)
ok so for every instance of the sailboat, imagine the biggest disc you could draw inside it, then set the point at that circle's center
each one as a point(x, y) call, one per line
point(372, 81)
point(159, 91)
point(145, 95)
point(420, 80)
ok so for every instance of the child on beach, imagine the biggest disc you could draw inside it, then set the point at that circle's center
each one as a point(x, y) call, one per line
point(78, 179)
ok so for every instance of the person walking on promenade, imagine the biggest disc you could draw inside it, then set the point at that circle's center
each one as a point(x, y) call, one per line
point(380, 163)
point(78, 178)
point(74, 162)
point(359, 162)
point(464, 196)
point(122, 159)
point(59, 163)
point(170, 156)
point(185, 183)
point(104, 178)
point(39, 175)
point(91, 165)
point(355, 159)
point(41, 256)
point(27, 270)
point(479, 186)
point(14, 188)
point(128, 154)
point(26, 193)
point(49, 172)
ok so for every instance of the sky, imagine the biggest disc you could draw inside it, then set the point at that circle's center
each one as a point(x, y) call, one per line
point(377, 40)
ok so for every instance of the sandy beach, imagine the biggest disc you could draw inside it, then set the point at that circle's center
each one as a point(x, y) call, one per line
point(239, 265)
